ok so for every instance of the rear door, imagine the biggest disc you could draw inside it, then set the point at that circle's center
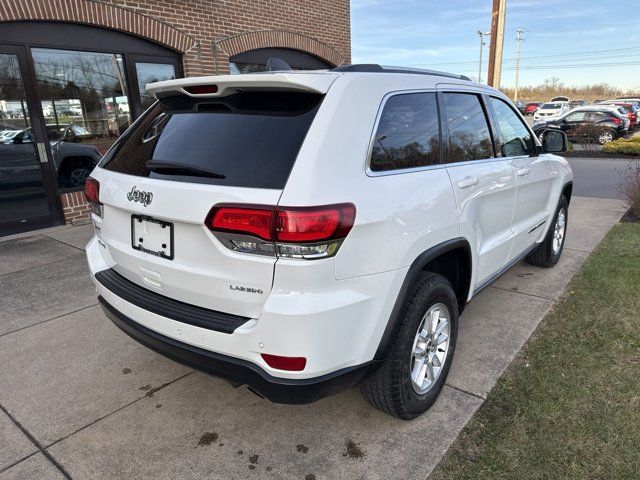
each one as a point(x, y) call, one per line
point(182, 157)
point(534, 175)
point(484, 185)
point(573, 123)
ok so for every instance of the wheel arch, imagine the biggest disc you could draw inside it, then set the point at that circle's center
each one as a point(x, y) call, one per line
point(567, 190)
point(67, 162)
point(451, 259)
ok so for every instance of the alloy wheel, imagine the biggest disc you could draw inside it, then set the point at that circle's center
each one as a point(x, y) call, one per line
point(430, 348)
point(559, 231)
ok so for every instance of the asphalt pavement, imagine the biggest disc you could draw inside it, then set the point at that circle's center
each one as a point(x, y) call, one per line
point(599, 177)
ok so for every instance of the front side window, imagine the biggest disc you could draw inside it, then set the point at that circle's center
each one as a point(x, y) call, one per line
point(408, 133)
point(514, 137)
point(469, 136)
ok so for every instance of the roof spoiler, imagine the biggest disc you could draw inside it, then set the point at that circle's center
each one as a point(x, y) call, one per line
point(222, 85)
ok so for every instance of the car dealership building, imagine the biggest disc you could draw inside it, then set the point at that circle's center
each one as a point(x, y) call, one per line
point(72, 77)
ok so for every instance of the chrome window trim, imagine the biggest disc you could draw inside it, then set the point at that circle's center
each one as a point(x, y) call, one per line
point(445, 88)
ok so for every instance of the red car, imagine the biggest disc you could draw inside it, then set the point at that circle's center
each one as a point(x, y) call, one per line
point(531, 108)
point(632, 112)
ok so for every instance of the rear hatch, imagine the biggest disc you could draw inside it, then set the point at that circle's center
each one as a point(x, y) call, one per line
point(233, 141)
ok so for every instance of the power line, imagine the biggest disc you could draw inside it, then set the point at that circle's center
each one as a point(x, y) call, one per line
point(567, 54)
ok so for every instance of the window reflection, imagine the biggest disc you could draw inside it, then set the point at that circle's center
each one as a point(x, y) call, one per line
point(85, 106)
point(469, 137)
point(22, 193)
point(149, 73)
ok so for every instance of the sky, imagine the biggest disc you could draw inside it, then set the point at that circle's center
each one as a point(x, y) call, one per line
point(581, 42)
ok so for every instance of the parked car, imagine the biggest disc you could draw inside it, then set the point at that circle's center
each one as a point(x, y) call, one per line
point(550, 109)
point(608, 124)
point(521, 106)
point(577, 103)
point(531, 108)
point(225, 238)
point(73, 162)
point(632, 110)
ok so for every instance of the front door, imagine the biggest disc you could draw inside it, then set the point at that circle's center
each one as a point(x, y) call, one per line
point(534, 176)
point(484, 186)
point(27, 193)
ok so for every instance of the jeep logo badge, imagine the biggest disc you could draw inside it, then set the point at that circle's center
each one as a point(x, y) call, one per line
point(136, 195)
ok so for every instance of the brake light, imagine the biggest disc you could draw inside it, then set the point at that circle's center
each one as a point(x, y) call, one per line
point(314, 224)
point(92, 190)
point(293, 364)
point(201, 89)
point(252, 221)
point(297, 232)
point(616, 120)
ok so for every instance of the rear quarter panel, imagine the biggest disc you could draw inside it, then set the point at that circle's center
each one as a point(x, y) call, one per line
point(398, 216)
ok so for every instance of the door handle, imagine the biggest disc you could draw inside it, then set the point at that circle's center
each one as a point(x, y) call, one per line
point(523, 172)
point(467, 182)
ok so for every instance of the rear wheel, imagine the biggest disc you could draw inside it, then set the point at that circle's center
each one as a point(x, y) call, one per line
point(413, 374)
point(548, 252)
point(606, 137)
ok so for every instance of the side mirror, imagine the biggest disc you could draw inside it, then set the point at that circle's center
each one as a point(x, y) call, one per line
point(554, 141)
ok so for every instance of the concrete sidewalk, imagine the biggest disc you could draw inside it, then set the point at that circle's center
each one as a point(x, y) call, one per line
point(79, 399)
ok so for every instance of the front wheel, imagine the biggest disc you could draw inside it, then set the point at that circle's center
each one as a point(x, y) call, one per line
point(413, 374)
point(548, 252)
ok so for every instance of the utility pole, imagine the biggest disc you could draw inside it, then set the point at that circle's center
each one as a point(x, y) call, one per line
point(519, 39)
point(498, 15)
point(482, 44)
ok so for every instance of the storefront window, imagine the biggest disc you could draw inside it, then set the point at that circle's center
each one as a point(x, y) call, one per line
point(85, 107)
point(149, 73)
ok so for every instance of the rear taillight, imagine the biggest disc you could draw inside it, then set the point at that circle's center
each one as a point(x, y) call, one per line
point(295, 232)
point(92, 190)
point(616, 120)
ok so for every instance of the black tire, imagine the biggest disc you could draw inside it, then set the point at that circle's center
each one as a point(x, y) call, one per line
point(544, 255)
point(79, 172)
point(389, 388)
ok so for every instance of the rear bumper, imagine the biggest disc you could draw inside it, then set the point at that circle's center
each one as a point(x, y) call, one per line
point(279, 390)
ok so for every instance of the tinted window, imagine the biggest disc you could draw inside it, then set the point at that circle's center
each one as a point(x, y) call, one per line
point(408, 134)
point(514, 137)
point(576, 117)
point(469, 137)
point(551, 105)
point(247, 139)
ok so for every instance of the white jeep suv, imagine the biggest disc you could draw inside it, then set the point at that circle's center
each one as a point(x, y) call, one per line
point(305, 232)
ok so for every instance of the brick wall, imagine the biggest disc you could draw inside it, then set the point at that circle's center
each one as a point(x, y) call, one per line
point(206, 32)
point(74, 206)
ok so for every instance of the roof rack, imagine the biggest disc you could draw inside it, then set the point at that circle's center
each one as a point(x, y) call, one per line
point(375, 68)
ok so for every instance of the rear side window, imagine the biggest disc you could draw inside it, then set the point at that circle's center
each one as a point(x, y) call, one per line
point(469, 136)
point(248, 139)
point(408, 133)
point(514, 137)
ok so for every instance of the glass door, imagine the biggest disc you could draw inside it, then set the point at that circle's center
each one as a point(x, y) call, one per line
point(27, 198)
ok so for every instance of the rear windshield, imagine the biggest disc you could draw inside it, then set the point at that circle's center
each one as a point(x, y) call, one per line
point(248, 139)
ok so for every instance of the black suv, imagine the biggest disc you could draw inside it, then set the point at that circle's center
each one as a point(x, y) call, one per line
point(603, 124)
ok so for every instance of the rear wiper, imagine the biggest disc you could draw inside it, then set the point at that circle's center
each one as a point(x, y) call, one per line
point(171, 168)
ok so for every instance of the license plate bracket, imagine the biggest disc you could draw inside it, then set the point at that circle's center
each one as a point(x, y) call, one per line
point(152, 236)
